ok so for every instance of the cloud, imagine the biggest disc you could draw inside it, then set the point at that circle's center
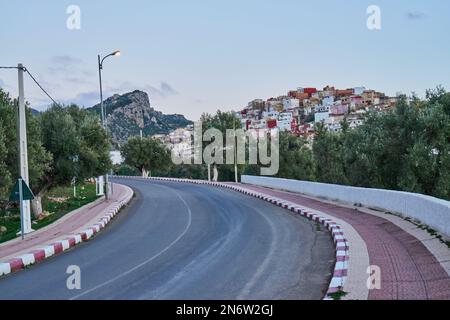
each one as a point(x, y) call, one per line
point(74, 79)
point(87, 73)
point(86, 99)
point(80, 79)
point(65, 60)
point(162, 92)
point(63, 64)
point(167, 89)
point(198, 101)
point(91, 98)
point(415, 15)
point(2, 83)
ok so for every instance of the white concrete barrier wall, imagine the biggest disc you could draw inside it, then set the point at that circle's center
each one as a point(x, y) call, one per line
point(428, 210)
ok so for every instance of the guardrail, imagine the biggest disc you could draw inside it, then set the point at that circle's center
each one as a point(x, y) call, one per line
point(427, 210)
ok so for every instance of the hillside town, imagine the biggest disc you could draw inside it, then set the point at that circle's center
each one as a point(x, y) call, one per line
point(299, 112)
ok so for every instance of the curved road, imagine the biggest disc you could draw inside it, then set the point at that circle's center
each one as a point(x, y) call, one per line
point(186, 241)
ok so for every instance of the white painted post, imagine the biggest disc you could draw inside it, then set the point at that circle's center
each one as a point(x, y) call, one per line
point(100, 185)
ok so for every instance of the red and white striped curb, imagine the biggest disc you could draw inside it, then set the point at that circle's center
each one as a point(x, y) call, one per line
point(59, 246)
point(341, 244)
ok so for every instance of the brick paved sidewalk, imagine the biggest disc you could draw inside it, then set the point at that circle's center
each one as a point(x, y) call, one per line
point(70, 224)
point(409, 271)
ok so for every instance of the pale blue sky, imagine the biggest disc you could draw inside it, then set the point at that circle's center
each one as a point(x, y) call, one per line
point(196, 56)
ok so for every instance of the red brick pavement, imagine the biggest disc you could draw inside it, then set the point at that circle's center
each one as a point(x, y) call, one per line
point(408, 270)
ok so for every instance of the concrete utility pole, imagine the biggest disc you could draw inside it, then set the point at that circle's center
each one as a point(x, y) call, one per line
point(23, 151)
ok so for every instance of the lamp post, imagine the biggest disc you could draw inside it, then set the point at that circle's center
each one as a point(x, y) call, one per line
point(102, 110)
point(100, 68)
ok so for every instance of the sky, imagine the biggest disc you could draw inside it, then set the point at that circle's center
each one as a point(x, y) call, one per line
point(200, 56)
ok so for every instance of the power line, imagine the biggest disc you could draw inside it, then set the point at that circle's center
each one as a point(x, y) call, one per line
point(39, 85)
point(35, 81)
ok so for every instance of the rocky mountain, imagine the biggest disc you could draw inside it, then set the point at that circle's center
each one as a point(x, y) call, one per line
point(131, 112)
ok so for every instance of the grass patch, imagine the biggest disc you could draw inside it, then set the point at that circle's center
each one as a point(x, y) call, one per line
point(318, 226)
point(434, 233)
point(338, 295)
point(58, 201)
point(424, 227)
point(430, 231)
point(11, 220)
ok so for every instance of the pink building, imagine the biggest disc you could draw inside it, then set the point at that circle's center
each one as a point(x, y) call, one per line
point(356, 100)
point(339, 109)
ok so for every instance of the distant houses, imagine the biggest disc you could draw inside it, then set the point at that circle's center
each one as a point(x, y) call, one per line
point(298, 113)
point(301, 109)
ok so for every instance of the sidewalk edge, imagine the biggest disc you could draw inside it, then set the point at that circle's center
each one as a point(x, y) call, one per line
point(25, 260)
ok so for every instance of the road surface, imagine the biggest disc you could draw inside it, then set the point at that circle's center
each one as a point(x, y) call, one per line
point(186, 241)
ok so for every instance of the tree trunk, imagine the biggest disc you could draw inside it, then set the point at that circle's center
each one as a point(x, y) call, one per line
point(36, 205)
point(216, 173)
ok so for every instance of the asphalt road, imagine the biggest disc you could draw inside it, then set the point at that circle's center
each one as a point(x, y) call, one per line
point(185, 241)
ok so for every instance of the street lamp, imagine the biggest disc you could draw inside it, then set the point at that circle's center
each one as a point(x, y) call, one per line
point(103, 113)
point(100, 68)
